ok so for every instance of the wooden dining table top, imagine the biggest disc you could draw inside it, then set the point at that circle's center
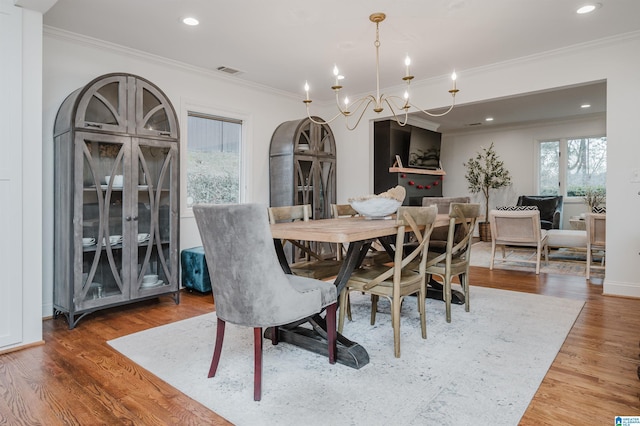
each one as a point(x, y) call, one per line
point(341, 230)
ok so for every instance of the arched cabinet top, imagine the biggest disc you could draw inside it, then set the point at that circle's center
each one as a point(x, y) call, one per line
point(303, 137)
point(119, 103)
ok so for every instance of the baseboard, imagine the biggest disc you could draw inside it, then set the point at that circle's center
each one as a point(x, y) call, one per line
point(612, 288)
point(21, 347)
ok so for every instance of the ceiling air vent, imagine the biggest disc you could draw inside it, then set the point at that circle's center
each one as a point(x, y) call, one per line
point(474, 124)
point(231, 71)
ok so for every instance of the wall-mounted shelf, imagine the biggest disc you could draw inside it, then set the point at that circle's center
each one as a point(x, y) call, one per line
point(438, 172)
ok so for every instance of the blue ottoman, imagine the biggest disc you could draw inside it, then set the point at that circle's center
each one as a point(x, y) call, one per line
point(195, 274)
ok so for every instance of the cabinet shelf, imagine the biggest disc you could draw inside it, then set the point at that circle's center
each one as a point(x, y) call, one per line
point(438, 172)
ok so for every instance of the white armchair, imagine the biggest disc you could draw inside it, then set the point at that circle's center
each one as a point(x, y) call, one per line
point(520, 229)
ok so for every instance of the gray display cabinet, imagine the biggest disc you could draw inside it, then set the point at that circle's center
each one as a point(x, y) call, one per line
point(302, 166)
point(302, 170)
point(110, 234)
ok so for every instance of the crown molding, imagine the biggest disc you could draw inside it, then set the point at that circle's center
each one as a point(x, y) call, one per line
point(57, 33)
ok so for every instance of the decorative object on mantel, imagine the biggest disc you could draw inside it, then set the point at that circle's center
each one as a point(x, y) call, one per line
point(486, 171)
point(360, 106)
point(379, 206)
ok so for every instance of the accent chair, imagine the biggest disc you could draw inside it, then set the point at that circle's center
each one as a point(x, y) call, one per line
point(248, 284)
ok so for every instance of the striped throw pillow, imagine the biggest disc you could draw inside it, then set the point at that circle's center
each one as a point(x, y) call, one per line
point(517, 208)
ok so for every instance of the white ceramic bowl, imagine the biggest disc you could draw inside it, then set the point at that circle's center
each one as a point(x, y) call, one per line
point(376, 207)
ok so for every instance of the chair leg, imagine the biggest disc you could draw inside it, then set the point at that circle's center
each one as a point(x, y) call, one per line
point(332, 335)
point(275, 336)
point(493, 254)
point(218, 348)
point(422, 309)
point(257, 365)
point(588, 269)
point(464, 281)
point(348, 301)
point(396, 304)
point(374, 308)
point(447, 295)
point(344, 296)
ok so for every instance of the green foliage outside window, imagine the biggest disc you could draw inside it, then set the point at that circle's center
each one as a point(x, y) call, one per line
point(212, 177)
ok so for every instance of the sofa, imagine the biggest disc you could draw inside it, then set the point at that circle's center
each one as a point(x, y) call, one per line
point(550, 208)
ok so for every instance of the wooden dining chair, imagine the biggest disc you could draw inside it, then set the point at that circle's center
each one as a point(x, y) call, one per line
point(248, 284)
point(457, 256)
point(305, 261)
point(398, 280)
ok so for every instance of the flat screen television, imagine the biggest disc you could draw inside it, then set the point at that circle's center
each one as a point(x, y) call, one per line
point(424, 149)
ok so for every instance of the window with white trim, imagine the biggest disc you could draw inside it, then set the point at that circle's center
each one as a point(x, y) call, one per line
point(569, 166)
point(213, 164)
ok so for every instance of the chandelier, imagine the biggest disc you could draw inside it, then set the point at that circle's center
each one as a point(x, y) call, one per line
point(398, 106)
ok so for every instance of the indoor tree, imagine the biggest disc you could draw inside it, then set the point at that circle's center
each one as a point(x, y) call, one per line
point(485, 172)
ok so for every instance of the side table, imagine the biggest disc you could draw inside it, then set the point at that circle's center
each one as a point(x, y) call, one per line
point(577, 223)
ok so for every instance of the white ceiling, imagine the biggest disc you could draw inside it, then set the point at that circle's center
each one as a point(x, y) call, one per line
point(281, 44)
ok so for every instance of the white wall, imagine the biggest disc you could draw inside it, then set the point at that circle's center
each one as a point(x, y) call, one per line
point(613, 60)
point(20, 176)
point(71, 62)
point(516, 146)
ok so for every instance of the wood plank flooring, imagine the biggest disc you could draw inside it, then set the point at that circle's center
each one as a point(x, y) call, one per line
point(77, 379)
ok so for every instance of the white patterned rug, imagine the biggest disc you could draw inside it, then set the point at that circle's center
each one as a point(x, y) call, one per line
point(483, 368)
point(561, 261)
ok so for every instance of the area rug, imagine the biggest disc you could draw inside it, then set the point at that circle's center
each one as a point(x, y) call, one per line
point(561, 261)
point(483, 368)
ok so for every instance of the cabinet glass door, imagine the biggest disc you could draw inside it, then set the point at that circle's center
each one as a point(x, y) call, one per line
point(157, 168)
point(101, 231)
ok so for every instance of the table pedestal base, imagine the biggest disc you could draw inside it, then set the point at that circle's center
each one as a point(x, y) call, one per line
point(348, 353)
point(434, 291)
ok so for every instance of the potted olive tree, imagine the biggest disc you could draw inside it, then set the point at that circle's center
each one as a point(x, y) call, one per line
point(485, 172)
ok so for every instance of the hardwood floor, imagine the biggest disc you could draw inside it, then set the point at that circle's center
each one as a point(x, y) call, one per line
point(76, 378)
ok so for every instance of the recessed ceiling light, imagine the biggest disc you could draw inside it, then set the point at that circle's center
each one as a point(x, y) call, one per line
point(588, 8)
point(585, 106)
point(190, 21)
point(488, 119)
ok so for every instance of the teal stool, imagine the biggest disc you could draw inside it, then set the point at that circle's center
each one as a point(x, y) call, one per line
point(195, 274)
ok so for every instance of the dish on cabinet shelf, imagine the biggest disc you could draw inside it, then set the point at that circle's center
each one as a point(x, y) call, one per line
point(143, 237)
point(113, 240)
point(152, 285)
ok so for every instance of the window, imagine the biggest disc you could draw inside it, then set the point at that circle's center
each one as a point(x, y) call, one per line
point(213, 159)
point(569, 166)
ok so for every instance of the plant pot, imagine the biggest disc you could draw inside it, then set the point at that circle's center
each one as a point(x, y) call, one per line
point(485, 231)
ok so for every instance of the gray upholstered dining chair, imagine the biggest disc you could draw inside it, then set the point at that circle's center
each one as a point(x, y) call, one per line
point(400, 279)
point(248, 284)
point(454, 261)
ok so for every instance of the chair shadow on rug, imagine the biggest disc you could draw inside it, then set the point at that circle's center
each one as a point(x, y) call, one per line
point(248, 284)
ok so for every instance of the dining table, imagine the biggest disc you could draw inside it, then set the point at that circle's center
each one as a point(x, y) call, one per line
point(357, 233)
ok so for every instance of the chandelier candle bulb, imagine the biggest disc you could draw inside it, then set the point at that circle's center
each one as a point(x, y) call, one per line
point(407, 62)
point(454, 77)
point(306, 89)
